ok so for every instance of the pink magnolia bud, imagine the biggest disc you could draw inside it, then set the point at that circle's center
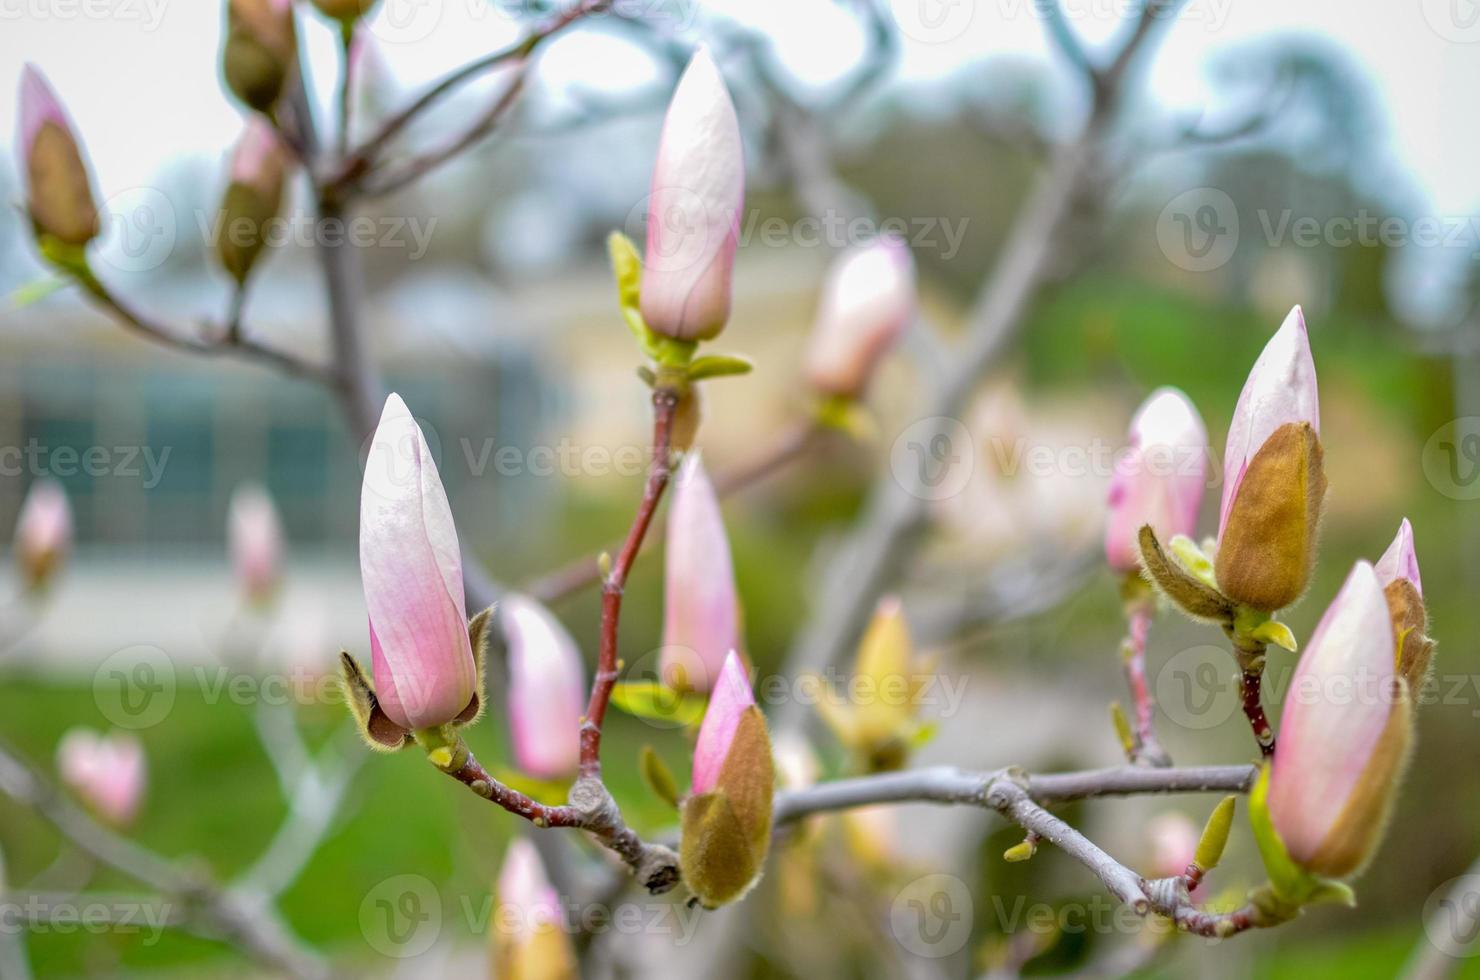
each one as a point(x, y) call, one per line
point(727, 704)
point(253, 199)
point(1174, 840)
point(1160, 479)
point(344, 10)
point(867, 302)
point(58, 189)
point(43, 533)
point(1274, 480)
point(255, 537)
point(261, 50)
point(693, 223)
point(527, 930)
point(1400, 561)
point(1397, 570)
point(411, 569)
point(106, 772)
point(546, 689)
point(700, 608)
point(1343, 737)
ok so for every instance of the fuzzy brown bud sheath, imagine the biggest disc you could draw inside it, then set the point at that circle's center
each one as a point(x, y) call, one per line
point(1397, 570)
point(58, 191)
point(1274, 481)
point(727, 820)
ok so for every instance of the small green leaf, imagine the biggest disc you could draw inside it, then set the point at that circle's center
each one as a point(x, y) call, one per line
point(718, 366)
point(1277, 633)
point(1193, 559)
point(847, 416)
point(658, 776)
point(34, 292)
point(627, 267)
point(659, 702)
point(1215, 835)
point(1123, 730)
point(923, 735)
point(533, 786)
point(1021, 851)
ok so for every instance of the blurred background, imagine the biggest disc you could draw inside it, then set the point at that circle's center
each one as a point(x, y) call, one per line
point(1261, 158)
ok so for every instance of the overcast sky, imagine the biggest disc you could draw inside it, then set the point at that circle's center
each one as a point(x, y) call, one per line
point(140, 76)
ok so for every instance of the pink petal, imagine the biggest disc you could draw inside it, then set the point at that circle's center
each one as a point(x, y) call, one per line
point(411, 569)
point(39, 106)
point(693, 221)
point(727, 704)
point(1160, 479)
point(257, 160)
point(525, 890)
point(546, 689)
point(700, 609)
point(1280, 389)
point(43, 529)
point(255, 537)
point(1400, 561)
point(1335, 710)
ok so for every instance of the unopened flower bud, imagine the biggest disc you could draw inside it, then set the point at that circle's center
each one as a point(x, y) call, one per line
point(1344, 736)
point(105, 771)
point(1174, 840)
point(693, 223)
point(867, 302)
point(700, 607)
point(58, 190)
point(1273, 479)
point(727, 819)
point(347, 11)
point(1159, 480)
point(261, 50)
point(879, 724)
point(526, 932)
point(259, 166)
point(546, 693)
point(1397, 570)
point(255, 538)
point(411, 567)
point(43, 533)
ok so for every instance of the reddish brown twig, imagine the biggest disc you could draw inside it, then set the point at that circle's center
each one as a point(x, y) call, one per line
point(584, 571)
point(1148, 748)
point(665, 403)
point(1251, 678)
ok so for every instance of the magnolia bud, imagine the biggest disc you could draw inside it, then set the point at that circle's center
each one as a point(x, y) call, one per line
point(58, 189)
point(1397, 570)
point(255, 538)
point(43, 533)
point(1273, 480)
point(253, 198)
point(727, 819)
point(546, 689)
point(1344, 735)
point(867, 302)
point(700, 608)
point(345, 10)
point(425, 674)
point(261, 50)
point(106, 772)
point(527, 932)
point(1159, 480)
point(693, 223)
point(880, 723)
point(1174, 840)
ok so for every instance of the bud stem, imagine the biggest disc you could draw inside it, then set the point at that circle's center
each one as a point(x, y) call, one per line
point(1148, 750)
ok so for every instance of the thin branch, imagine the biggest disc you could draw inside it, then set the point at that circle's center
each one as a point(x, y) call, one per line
point(794, 444)
point(665, 405)
point(362, 160)
point(1148, 749)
